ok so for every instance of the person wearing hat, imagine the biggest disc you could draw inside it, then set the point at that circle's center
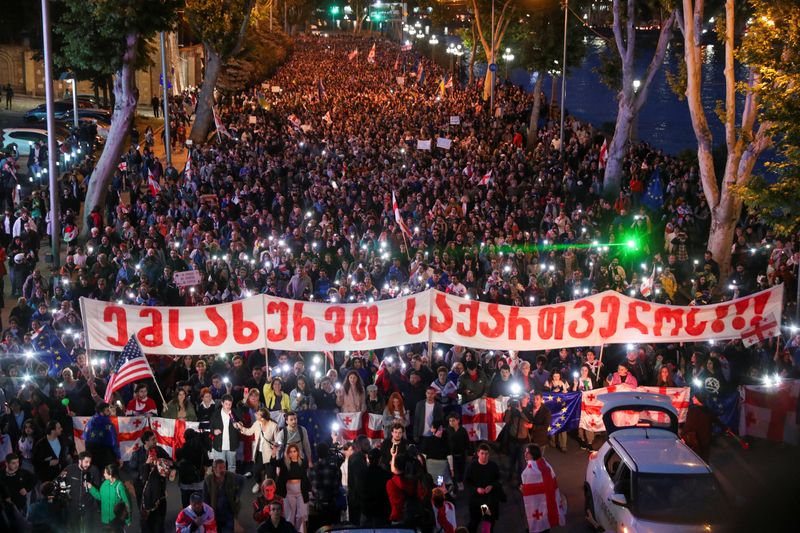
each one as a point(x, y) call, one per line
point(375, 404)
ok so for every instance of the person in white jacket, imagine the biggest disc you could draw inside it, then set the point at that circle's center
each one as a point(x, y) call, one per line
point(264, 447)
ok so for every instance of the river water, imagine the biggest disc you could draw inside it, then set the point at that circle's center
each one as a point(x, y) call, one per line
point(664, 121)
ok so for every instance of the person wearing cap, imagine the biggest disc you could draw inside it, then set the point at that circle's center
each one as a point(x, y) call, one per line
point(472, 384)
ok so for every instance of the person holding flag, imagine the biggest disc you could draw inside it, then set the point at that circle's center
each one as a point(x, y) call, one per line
point(544, 506)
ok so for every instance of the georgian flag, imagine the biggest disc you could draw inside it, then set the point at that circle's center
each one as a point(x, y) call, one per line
point(371, 55)
point(486, 179)
point(765, 328)
point(398, 218)
point(373, 428)
point(350, 425)
point(603, 155)
point(170, 433)
point(771, 411)
point(352, 55)
point(221, 129)
point(129, 433)
point(152, 183)
point(591, 407)
point(647, 284)
point(544, 506)
point(483, 418)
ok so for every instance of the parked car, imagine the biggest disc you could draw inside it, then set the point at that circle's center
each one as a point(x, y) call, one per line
point(92, 113)
point(22, 138)
point(644, 479)
point(84, 100)
point(39, 113)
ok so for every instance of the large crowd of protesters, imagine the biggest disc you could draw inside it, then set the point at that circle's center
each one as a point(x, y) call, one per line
point(302, 209)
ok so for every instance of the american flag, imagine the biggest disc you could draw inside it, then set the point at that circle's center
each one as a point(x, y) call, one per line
point(131, 367)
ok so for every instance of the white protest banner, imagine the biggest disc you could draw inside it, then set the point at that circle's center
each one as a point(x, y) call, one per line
point(229, 327)
point(604, 318)
point(455, 120)
point(443, 143)
point(423, 145)
point(187, 278)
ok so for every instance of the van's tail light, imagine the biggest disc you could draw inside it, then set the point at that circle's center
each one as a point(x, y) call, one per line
point(593, 455)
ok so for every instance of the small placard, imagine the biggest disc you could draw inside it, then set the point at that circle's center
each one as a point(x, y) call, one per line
point(276, 89)
point(187, 278)
point(253, 119)
point(455, 120)
point(443, 143)
point(423, 145)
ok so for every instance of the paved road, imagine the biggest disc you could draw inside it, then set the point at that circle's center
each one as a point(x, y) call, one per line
point(761, 481)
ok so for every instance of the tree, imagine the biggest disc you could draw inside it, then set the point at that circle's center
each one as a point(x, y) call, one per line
point(774, 51)
point(491, 42)
point(111, 36)
point(630, 98)
point(222, 27)
point(744, 144)
point(538, 44)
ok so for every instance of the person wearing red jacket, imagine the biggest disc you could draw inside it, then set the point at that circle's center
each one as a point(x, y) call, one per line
point(399, 488)
point(388, 378)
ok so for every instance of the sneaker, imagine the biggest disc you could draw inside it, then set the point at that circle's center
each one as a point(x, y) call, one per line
point(256, 488)
point(248, 475)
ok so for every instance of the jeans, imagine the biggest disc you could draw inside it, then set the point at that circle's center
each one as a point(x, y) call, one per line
point(228, 455)
point(516, 457)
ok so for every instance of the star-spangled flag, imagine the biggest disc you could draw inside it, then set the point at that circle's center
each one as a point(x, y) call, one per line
point(51, 350)
point(371, 55)
point(398, 218)
point(132, 366)
point(152, 183)
point(565, 409)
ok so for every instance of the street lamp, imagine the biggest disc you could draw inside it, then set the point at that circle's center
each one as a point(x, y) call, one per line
point(433, 41)
point(508, 57)
point(74, 101)
point(563, 78)
point(636, 85)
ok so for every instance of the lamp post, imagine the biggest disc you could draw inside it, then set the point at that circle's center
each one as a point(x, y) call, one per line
point(74, 102)
point(433, 42)
point(563, 78)
point(507, 58)
point(52, 149)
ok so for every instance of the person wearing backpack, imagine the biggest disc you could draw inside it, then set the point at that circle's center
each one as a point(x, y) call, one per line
point(111, 492)
point(294, 433)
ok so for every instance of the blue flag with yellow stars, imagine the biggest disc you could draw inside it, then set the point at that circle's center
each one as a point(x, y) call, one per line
point(654, 195)
point(51, 351)
point(565, 409)
point(318, 425)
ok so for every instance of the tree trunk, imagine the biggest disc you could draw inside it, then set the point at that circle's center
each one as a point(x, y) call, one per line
point(204, 114)
point(176, 75)
point(723, 228)
point(612, 182)
point(536, 111)
point(126, 97)
point(487, 86)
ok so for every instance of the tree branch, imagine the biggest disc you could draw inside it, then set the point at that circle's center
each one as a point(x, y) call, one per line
point(658, 58)
point(730, 79)
point(617, 27)
point(631, 30)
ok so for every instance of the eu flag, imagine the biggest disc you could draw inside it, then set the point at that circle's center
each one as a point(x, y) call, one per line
point(318, 425)
point(51, 350)
point(726, 407)
point(654, 195)
point(565, 409)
